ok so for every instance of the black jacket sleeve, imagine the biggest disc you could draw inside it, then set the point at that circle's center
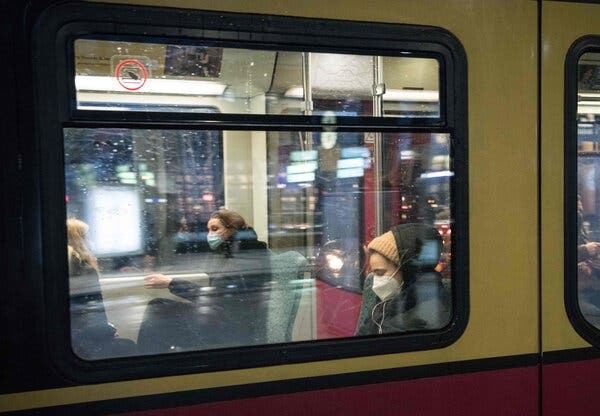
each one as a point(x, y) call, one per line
point(185, 289)
point(365, 325)
point(90, 330)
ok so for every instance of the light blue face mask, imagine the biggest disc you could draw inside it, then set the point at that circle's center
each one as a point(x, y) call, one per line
point(214, 240)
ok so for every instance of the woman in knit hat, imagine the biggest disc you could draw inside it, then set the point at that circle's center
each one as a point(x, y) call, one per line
point(404, 292)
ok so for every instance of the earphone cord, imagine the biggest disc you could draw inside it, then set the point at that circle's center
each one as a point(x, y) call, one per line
point(379, 324)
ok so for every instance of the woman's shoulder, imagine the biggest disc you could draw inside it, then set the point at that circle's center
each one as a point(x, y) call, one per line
point(248, 240)
point(430, 302)
point(426, 285)
point(369, 298)
point(368, 284)
point(77, 266)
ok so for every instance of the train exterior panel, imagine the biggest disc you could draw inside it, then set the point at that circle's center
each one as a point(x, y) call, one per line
point(567, 356)
point(514, 349)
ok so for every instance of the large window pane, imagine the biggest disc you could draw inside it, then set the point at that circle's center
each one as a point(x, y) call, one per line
point(134, 76)
point(147, 263)
point(588, 174)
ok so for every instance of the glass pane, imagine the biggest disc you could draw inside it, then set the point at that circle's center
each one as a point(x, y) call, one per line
point(588, 174)
point(135, 76)
point(412, 87)
point(153, 254)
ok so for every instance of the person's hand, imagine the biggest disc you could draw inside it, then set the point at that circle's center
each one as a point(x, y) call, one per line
point(129, 269)
point(584, 271)
point(593, 249)
point(157, 281)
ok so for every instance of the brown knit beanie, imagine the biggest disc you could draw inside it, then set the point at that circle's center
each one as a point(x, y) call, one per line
point(403, 243)
point(385, 245)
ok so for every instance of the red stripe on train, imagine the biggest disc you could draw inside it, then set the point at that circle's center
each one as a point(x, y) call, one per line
point(493, 393)
point(571, 388)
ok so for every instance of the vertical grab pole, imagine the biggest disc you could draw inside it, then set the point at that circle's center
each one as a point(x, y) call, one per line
point(378, 91)
point(307, 93)
point(308, 193)
point(309, 217)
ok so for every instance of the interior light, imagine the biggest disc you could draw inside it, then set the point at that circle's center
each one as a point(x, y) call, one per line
point(114, 212)
point(153, 86)
point(126, 175)
point(334, 262)
point(294, 92)
point(349, 152)
point(350, 173)
point(113, 101)
point(439, 174)
point(301, 167)
point(301, 177)
point(428, 96)
point(407, 154)
point(588, 109)
point(350, 163)
point(299, 155)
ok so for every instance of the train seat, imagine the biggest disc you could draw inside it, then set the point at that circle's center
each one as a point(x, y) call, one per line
point(287, 283)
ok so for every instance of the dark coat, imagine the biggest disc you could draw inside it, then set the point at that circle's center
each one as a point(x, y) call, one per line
point(230, 311)
point(422, 304)
point(238, 265)
point(92, 337)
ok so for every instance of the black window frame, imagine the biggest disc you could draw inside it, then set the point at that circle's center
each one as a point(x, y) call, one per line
point(54, 90)
point(585, 44)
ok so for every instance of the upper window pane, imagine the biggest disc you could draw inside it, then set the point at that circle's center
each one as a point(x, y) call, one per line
point(588, 186)
point(134, 76)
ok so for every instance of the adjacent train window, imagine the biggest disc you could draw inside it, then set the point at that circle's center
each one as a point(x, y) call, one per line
point(244, 197)
point(587, 228)
point(134, 76)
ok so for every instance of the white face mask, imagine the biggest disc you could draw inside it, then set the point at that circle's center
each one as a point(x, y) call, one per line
point(386, 287)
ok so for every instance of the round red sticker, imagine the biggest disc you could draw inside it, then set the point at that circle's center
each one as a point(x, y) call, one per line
point(131, 74)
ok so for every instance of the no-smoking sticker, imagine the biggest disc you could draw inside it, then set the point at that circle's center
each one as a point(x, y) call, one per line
point(131, 74)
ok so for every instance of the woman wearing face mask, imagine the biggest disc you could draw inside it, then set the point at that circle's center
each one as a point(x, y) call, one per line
point(234, 302)
point(404, 292)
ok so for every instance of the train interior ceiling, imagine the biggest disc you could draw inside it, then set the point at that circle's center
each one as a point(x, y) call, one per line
point(147, 194)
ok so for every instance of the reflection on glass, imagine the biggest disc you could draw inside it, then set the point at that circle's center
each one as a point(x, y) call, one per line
point(588, 178)
point(289, 260)
point(136, 76)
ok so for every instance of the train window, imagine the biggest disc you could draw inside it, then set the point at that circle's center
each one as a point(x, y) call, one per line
point(585, 295)
point(239, 192)
point(136, 76)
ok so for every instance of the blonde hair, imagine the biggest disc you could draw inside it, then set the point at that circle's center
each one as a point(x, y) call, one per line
point(76, 231)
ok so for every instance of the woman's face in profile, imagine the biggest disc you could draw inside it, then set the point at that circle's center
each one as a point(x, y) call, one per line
point(381, 266)
point(215, 226)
